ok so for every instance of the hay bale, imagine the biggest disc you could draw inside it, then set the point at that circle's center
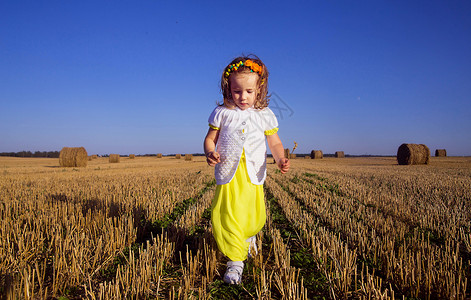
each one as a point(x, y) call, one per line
point(159, 155)
point(286, 153)
point(94, 156)
point(413, 154)
point(317, 154)
point(178, 156)
point(114, 158)
point(307, 157)
point(188, 156)
point(132, 156)
point(440, 152)
point(73, 157)
point(292, 156)
point(339, 154)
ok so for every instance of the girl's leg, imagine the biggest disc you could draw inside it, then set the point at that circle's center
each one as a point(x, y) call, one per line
point(253, 249)
point(238, 213)
point(234, 272)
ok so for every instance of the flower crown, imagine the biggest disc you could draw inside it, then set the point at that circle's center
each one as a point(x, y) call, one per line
point(254, 67)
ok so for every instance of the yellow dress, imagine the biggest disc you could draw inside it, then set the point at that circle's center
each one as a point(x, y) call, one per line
point(237, 213)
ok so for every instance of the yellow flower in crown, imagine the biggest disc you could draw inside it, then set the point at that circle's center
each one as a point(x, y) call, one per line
point(254, 67)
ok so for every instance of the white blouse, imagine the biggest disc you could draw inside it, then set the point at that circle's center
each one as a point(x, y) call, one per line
point(242, 130)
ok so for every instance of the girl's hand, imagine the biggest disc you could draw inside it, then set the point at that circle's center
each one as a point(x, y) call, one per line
point(212, 158)
point(283, 165)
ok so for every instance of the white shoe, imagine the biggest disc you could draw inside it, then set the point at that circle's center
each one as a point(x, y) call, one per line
point(253, 249)
point(234, 272)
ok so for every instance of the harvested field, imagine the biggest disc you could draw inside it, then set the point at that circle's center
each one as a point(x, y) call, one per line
point(349, 228)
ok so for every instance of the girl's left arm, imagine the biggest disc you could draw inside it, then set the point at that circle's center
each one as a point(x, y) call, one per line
point(277, 150)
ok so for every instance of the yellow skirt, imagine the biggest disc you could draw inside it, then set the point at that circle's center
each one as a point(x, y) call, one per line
point(237, 213)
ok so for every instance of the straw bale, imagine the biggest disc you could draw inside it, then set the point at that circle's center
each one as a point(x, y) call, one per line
point(307, 157)
point(292, 156)
point(178, 156)
point(287, 153)
point(94, 156)
point(440, 152)
point(188, 156)
point(413, 154)
point(339, 154)
point(159, 155)
point(317, 154)
point(73, 157)
point(114, 158)
point(132, 156)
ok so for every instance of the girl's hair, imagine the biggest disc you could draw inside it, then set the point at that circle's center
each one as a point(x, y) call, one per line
point(246, 64)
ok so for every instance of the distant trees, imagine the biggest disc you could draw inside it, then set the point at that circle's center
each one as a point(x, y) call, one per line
point(51, 154)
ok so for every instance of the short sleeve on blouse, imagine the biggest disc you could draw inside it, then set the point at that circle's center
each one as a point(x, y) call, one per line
point(271, 123)
point(271, 131)
point(214, 119)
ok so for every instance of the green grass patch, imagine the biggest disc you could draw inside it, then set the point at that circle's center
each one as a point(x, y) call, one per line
point(301, 258)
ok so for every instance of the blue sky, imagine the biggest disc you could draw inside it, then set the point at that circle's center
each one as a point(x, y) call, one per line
point(142, 77)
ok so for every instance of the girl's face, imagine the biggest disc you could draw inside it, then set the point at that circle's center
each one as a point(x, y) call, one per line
point(244, 89)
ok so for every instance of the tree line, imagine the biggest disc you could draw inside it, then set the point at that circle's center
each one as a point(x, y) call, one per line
point(51, 154)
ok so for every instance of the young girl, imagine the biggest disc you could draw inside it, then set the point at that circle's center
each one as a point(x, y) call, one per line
point(239, 127)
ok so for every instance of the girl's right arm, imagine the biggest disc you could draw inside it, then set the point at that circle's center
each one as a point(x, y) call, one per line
point(210, 141)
